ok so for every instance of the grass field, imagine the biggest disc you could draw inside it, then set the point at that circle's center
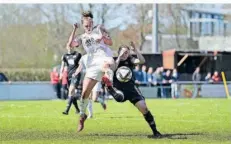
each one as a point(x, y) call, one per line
point(181, 121)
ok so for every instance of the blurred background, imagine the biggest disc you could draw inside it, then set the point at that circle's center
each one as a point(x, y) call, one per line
point(171, 36)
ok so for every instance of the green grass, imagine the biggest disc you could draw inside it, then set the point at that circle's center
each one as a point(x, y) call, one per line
point(181, 121)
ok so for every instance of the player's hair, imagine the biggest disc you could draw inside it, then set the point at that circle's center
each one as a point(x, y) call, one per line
point(86, 15)
point(123, 46)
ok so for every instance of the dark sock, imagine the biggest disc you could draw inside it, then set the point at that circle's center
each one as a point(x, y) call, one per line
point(150, 120)
point(103, 91)
point(69, 103)
point(75, 103)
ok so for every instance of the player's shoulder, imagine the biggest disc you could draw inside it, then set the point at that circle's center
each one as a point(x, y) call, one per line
point(115, 58)
point(81, 36)
point(64, 55)
point(78, 54)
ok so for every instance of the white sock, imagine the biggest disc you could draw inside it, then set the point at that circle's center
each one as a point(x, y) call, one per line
point(110, 74)
point(89, 108)
point(83, 106)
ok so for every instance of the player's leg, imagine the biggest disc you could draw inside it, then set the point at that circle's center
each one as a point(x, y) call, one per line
point(89, 108)
point(88, 85)
point(96, 92)
point(108, 68)
point(107, 79)
point(78, 90)
point(71, 99)
point(142, 107)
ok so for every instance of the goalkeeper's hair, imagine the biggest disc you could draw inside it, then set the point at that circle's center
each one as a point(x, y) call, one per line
point(123, 46)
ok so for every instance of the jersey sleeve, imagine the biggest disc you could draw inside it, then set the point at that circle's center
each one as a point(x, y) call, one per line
point(79, 56)
point(78, 39)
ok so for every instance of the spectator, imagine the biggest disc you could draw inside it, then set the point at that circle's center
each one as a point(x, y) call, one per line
point(155, 75)
point(174, 90)
point(144, 75)
point(54, 76)
point(157, 80)
point(138, 75)
point(196, 77)
point(216, 78)
point(64, 89)
point(208, 78)
point(167, 80)
point(162, 71)
point(149, 75)
point(3, 78)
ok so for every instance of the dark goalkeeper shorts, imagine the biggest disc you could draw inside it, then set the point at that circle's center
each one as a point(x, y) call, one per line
point(131, 93)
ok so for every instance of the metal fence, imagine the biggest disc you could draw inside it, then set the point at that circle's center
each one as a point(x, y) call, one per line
point(45, 91)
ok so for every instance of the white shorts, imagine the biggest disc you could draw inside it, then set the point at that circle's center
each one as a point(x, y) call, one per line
point(97, 87)
point(95, 69)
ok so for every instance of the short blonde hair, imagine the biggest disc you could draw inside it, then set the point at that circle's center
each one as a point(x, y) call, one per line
point(87, 16)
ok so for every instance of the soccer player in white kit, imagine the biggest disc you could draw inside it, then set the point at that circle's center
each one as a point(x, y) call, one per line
point(95, 91)
point(99, 65)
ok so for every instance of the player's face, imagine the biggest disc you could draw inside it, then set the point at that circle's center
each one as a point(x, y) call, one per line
point(87, 26)
point(125, 54)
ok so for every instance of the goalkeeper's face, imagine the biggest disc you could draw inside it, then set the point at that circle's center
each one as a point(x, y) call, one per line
point(125, 53)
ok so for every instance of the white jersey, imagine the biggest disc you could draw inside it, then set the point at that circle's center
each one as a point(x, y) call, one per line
point(89, 43)
point(97, 54)
point(95, 50)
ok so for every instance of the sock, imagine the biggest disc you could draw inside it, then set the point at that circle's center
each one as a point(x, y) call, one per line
point(150, 120)
point(103, 90)
point(83, 106)
point(110, 74)
point(69, 103)
point(89, 107)
point(75, 103)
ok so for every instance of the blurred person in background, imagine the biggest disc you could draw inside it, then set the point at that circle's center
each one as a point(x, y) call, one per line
point(196, 77)
point(71, 61)
point(64, 89)
point(54, 76)
point(154, 77)
point(3, 78)
point(149, 76)
point(157, 80)
point(144, 75)
point(216, 78)
point(162, 71)
point(138, 75)
point(208, 78)
point(167, 80)
point(174, 90)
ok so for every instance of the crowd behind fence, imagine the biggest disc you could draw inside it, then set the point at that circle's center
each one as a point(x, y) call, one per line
point(160, 83)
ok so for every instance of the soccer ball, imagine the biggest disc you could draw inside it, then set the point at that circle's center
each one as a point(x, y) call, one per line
point(124, 74)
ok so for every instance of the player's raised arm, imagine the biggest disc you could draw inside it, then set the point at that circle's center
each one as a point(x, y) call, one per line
point(140, 59)
point(121, 52)
point(71, 42)
point(105, 35)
